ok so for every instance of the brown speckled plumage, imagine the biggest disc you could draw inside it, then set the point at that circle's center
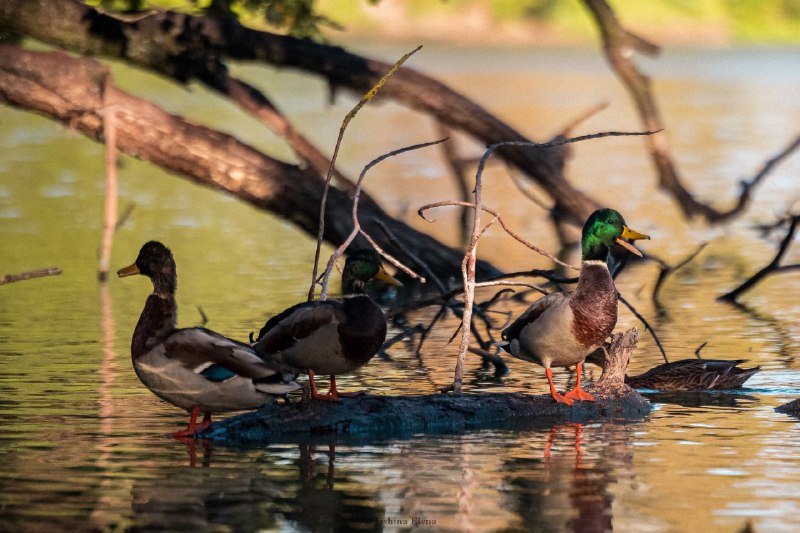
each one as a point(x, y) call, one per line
point(694, 375)
point(594, 306)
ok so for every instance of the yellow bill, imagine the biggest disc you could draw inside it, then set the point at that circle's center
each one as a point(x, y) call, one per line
point(387, 278)
point(628, 233)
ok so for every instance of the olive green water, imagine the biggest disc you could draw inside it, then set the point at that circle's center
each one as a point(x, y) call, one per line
point(82, 443)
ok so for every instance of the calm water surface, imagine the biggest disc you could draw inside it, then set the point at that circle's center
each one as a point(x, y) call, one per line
point(82, 445)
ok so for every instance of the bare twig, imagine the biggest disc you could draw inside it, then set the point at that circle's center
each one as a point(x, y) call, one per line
point(357, 226)
point(419, 263)
point(699, 348)
point(123, 218)
point(13, 278)
point(773, 267)
point(646, 325)
point(567, 128)
point(667, 270)
point(421, 212)
point(458, 167)
point(364, 99)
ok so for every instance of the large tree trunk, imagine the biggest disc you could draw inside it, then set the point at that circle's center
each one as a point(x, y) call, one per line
point(187, 47)
point(74, 90)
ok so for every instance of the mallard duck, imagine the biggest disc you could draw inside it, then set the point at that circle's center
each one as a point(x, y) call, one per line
point(561, 329)
point(331, 336)
point(694, 375)
point(195, 369)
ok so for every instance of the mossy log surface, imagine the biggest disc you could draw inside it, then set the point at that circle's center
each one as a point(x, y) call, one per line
point(369, 416)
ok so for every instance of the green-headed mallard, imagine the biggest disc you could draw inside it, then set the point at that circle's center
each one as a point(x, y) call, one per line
point(332, 336)
point(694, 375)
point(194, 368)
point(561, 329)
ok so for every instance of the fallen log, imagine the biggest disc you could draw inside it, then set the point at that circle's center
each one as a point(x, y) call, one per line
point(370, 416)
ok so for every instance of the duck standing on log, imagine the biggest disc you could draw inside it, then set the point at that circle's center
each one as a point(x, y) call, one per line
point(331, 336)
point(561, 329)
point(194, 368)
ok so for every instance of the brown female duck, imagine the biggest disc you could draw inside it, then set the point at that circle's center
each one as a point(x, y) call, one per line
point(694, 375)
point(561, 329)
point(194, 368)
point(331, 336)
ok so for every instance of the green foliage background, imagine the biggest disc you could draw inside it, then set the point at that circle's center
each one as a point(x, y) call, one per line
point(742, 21)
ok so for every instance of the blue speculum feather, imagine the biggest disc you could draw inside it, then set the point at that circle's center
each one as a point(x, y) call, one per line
point(217, 373)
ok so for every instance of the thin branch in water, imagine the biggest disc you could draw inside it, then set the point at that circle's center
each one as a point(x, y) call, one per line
point(772, 268)
point(364, 99)
point(500, 366)
point(699, 348)
point(618, 45)
point(33, 274)
point(203, 316)
point(646, 325)
point(357, 225)
point(124, 217)
point(582, 117)
point(667, 270)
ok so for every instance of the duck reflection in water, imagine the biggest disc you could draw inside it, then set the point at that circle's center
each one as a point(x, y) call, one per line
point(321, 503)
point(561, 479)
point(306, 493)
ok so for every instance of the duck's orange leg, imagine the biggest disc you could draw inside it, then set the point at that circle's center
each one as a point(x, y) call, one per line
point(578, 393)
point(337, 393)
point(333, 394)
point(553, 392)
point(194, 427)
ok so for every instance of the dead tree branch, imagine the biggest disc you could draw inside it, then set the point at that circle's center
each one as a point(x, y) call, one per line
point(44, 272)
point(177, 44)
point(666, 270)
point(774, 266)
point(369, 95)
point(619, 45)
point(70, 90)
point(357, 224)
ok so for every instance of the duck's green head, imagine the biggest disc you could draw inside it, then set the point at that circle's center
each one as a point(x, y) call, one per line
point(604, 228)
point(362, 266)
point(156, 262)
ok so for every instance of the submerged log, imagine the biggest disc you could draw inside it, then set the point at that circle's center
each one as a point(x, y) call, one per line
point(369, 416)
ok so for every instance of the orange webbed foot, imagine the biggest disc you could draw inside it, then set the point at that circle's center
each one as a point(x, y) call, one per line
point(580, 395)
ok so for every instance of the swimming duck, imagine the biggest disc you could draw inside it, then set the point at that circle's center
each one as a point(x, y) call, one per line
point(195, 369)
point(331, 336)
point(694, 375)
point(561, 329)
